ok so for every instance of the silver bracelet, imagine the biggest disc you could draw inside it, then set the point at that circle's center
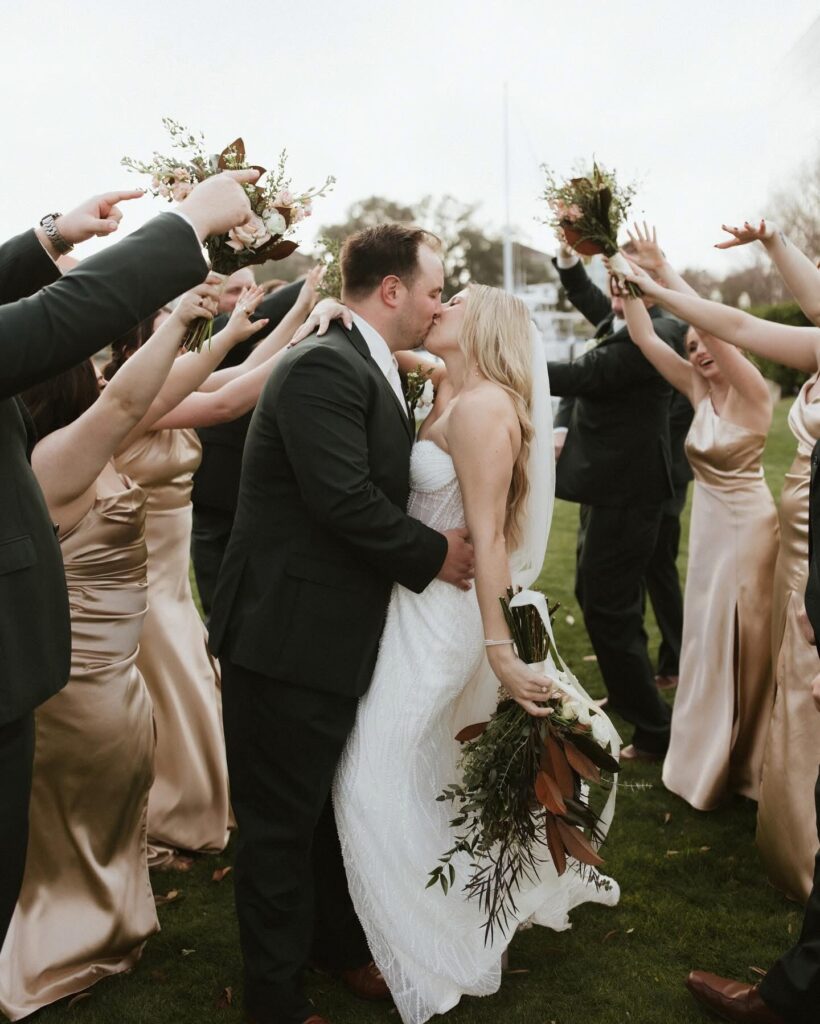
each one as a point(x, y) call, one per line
point(494, 643)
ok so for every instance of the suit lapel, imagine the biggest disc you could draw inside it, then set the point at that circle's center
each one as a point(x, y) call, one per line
point(358, 342)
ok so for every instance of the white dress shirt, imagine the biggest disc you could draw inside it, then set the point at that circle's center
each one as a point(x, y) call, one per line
point(382, 356)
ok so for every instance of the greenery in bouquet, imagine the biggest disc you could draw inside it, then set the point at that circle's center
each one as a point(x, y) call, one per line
point(589, 210)
point(524, 791)
point(275, 208)
point(328, 252)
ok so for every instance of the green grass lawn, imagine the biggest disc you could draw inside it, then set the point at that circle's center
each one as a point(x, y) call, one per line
point(693, 895)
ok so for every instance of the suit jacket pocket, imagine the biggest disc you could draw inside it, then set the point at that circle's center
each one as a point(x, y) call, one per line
point(328, 574)
point(17, 553)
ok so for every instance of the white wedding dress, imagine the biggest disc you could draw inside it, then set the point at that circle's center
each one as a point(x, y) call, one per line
point(400, 755)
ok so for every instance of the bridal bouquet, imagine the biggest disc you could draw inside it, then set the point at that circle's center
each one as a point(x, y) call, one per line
point(525, 787)
point(276, 208)
point(589, 210)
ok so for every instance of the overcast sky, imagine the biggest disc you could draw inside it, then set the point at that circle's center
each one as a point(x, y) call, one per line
point(700, 100)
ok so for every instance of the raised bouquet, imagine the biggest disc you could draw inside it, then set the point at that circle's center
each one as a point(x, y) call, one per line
point(275, 208)
point(525, 788)
point(589, 210)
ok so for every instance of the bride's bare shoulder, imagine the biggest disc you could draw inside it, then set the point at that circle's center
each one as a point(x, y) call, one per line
point(484, 412)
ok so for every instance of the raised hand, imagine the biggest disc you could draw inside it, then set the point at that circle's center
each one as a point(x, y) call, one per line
point(309, 294)
point(748, 233)
point(240, 325)
point(219, 203)
point(320, 319)
point(97, 216)
point(646, 251)
point(648, 285)
point(200, 302)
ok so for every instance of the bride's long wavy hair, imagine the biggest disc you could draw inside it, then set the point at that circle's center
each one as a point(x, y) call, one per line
point(495, 337)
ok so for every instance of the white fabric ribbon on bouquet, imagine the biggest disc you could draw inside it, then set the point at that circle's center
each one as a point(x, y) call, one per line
point(619, 266)
point(566, 681)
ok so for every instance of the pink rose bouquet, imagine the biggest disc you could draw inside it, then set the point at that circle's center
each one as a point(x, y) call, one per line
point(276, 207)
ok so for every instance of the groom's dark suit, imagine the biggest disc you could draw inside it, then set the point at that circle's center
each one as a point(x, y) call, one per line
point(41, 336)
point(319, 538)
point(616, 463)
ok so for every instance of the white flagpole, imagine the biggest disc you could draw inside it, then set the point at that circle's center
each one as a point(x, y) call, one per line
point(508, 255)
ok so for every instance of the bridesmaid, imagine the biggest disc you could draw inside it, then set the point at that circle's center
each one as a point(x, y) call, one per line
point(721, 713)
point(86, 908)
point(785, 833)
point(188, 810)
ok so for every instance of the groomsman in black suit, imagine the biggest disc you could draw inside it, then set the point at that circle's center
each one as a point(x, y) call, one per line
point(616, 463)
point(216, 481)
point(662, 577)
point(790, 992)
point(42, 335)
point(321, 535)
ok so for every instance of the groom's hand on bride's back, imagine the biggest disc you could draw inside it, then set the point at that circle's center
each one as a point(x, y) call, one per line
point(459, 565)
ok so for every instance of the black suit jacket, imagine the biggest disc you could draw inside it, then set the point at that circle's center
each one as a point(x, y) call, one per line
point(617, 451)
point(41, 336)
point(216, 481)
point(321, 533)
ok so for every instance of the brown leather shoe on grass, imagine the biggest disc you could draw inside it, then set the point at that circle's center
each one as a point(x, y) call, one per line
point(731, 1000)
point(633, 753)
point(366, 982)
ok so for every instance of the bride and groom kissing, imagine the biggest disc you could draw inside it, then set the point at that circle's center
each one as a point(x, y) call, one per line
point(353, 641)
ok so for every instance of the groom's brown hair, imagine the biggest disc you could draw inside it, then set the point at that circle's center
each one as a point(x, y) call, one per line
point(384, 251)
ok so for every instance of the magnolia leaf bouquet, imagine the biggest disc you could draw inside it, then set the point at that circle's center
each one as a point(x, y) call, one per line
point(275, 207)
point(525, 787)
point(589, 210)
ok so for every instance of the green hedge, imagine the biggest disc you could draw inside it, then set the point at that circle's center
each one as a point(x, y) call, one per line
point(789, 379)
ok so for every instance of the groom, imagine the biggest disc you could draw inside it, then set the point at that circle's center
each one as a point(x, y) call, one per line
point(320, 537)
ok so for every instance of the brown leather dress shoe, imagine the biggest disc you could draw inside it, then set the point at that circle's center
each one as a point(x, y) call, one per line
point(731, 1000)
point(633, 753)
point(366, 982)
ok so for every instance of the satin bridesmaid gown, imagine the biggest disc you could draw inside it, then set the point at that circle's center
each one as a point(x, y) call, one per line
point(723, 703)
point(86, 906)
point(188, 808)
point(786, 830)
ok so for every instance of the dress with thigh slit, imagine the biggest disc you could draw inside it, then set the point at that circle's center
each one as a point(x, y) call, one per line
point(724, 698)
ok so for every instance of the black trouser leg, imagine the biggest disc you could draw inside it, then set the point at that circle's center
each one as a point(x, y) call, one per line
point(283, 745)
point(16, 764)
point(663, 586)
point(615, 547)
point(792, 986)
point(209, 538)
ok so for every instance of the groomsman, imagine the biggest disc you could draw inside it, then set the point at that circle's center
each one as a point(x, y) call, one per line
point(41, 336)
point(216, 481)
point(790, 992)
point(662, 578)
point(616, 463)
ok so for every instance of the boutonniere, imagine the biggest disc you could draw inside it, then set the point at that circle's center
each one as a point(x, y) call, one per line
point(420, 393)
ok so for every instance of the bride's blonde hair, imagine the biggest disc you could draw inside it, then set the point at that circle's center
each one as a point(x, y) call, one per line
point(495, 337)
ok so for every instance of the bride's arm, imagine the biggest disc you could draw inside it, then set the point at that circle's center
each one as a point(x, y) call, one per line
point(484, 438)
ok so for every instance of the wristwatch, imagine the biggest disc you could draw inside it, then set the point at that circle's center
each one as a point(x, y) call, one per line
point(48, 224)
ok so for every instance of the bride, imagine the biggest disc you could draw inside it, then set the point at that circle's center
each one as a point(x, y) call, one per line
point(483, 459)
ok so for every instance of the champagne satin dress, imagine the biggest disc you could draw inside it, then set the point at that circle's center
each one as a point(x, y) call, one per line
point(786, 829)
point(86, 906)
point(188, 808)
point(723, 703)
